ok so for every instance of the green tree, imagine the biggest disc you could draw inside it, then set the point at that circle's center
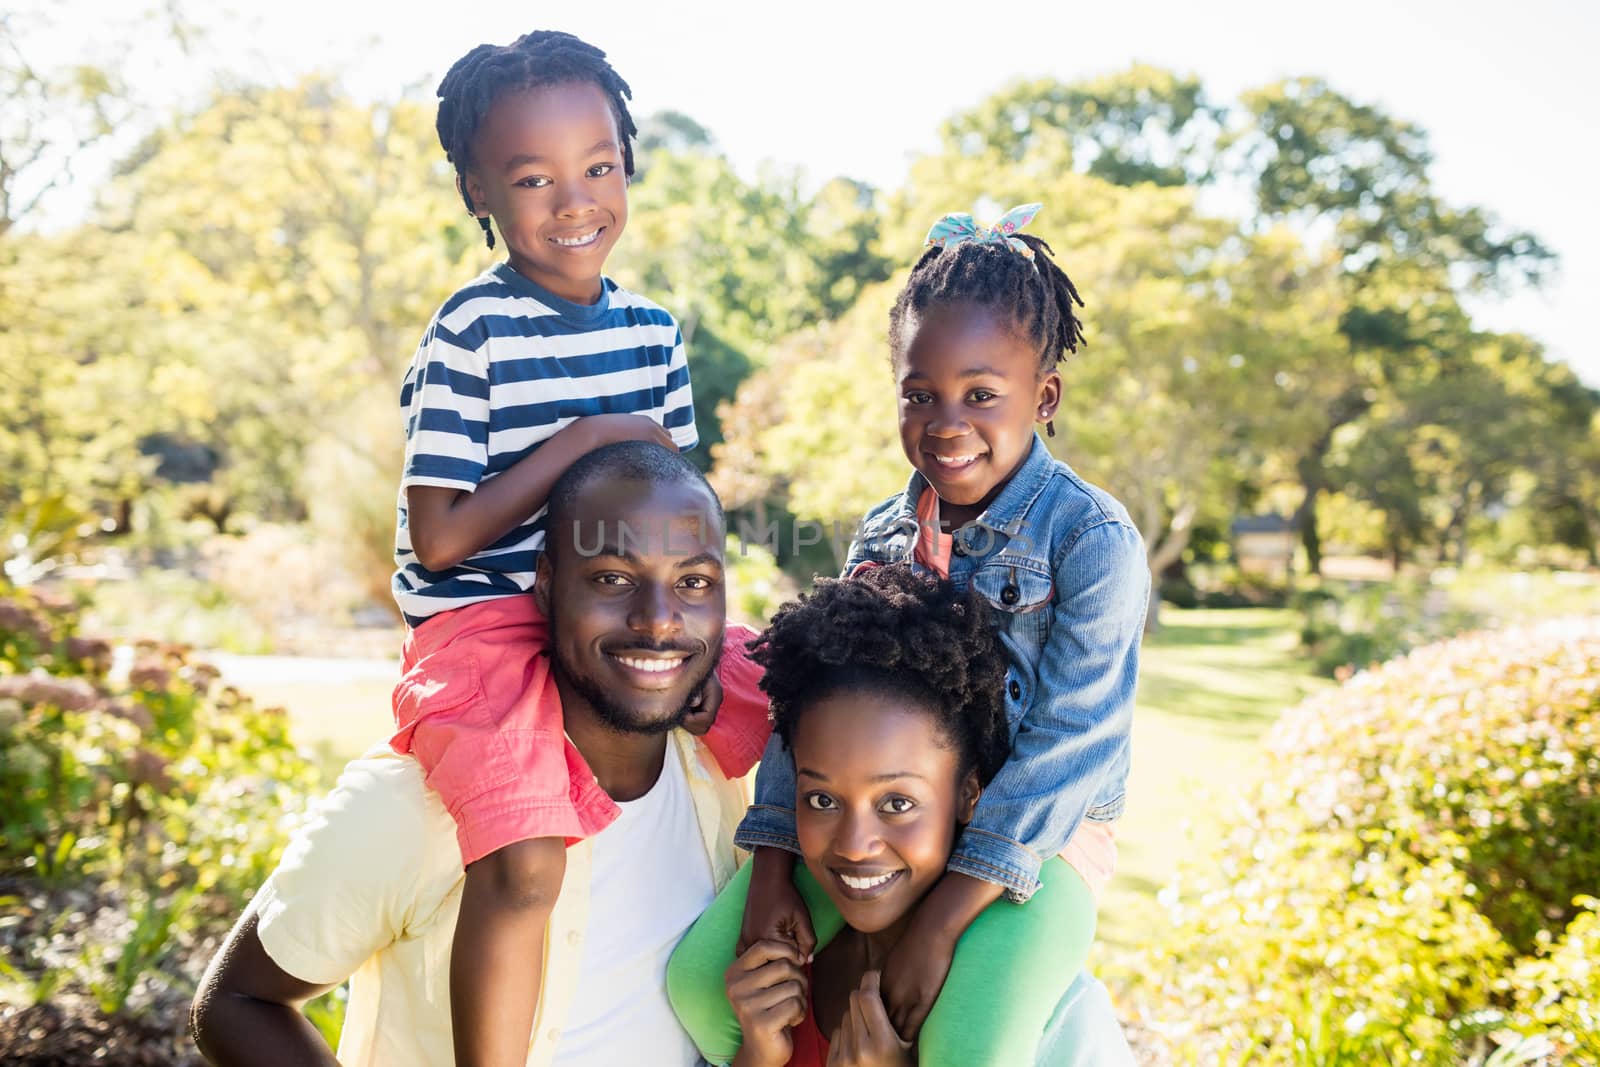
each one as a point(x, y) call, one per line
point(1143, 124)
point(50, 117)
point(811, 439)
point(297, 242)
point(1340, 168)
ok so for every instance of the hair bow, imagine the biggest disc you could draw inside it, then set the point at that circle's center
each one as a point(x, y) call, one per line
point(958, 228)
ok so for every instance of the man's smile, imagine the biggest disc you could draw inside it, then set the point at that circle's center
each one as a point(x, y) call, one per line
point(649, 669)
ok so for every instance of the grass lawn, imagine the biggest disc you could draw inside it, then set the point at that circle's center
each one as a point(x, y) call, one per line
point(1210, 683)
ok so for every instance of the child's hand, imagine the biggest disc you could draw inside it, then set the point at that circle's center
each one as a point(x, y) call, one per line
point(767, 988)
point(913, 975)
point(597, 430)
point(774, 909)
point(916, 969)
point(865, 1037)
point(704, 704)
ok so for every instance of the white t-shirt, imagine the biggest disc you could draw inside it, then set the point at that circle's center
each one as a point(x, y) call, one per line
point(651, 880)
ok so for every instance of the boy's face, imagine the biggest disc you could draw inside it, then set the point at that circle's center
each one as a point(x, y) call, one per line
point(547, 166)
point(970, 394)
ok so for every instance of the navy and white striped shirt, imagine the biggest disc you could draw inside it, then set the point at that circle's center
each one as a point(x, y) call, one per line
point(504, 365)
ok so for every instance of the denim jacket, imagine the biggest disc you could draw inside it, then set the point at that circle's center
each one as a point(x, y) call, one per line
point(1064, 569)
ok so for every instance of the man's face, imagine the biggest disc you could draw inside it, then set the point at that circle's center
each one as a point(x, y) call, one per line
point(634, 590)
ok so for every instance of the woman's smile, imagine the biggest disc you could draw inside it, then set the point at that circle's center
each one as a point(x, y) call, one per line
point(865, 886)
point(879, 800)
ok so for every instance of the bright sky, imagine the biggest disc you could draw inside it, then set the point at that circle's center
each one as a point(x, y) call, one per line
point(1505, 90)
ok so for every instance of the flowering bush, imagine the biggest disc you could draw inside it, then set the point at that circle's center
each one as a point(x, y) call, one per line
point(138, 810)
point(1558, 991)
point(1399, 883)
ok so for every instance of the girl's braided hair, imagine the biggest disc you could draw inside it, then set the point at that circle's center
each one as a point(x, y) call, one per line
point(543, 57)
point(892, 631)
point(1037, 299)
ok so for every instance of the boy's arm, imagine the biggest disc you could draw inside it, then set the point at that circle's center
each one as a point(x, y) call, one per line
point(449, 524)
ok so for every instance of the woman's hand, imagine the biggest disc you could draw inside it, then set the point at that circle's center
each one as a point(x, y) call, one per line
point(774, 909)
point(767, 988)
point(865, 1038)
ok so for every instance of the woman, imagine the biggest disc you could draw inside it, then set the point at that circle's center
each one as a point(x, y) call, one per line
point(887, 687)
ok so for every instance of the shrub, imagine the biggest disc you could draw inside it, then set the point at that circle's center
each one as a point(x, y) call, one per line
point(1558, 991)
point(1348, 626)
point(145, 806)
point(1419, 834)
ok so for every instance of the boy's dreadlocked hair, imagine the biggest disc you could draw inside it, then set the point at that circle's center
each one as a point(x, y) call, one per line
point(892, 631)
point(543, 57)
point(1037, 299)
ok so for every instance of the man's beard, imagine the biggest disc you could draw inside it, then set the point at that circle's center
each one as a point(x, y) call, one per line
point(618, 716)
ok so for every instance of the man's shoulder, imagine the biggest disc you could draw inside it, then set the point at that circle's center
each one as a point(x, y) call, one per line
point(382, 771)
point(382, 800)
point(375, 859)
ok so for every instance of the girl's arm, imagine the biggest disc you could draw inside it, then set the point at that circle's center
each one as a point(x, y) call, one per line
point(1078, 717)
point(449, 524)
point(1077, 723)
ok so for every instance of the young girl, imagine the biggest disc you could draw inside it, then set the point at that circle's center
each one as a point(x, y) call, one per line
point(533, 364)
point(974, 340)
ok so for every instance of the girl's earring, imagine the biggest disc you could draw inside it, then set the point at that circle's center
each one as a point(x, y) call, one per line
point(1049, 423)
point(488, 234)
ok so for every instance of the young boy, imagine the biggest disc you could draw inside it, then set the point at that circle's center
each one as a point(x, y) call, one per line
point(531, 365)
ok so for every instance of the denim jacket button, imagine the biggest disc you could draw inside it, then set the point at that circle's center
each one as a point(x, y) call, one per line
point(958, 547)
point(1010, 595)
point(1015, 690)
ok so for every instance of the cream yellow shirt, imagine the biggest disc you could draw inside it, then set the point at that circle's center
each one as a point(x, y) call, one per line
point(369, 890)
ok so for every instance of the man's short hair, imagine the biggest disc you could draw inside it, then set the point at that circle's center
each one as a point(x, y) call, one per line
point(643, 461)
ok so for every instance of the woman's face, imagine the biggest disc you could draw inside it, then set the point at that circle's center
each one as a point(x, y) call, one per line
point(878, 797)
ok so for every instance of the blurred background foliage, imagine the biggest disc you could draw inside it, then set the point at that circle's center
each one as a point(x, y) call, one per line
point(200, 443)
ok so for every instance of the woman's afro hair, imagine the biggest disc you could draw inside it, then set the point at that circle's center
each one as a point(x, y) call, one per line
point(892, 631)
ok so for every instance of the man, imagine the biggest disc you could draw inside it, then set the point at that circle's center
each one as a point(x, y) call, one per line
point(632, 583)
point(369, 890)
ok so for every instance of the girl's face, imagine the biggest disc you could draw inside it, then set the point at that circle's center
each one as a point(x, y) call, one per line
point(970, 394)
point(547, 165)
point(879, 795)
